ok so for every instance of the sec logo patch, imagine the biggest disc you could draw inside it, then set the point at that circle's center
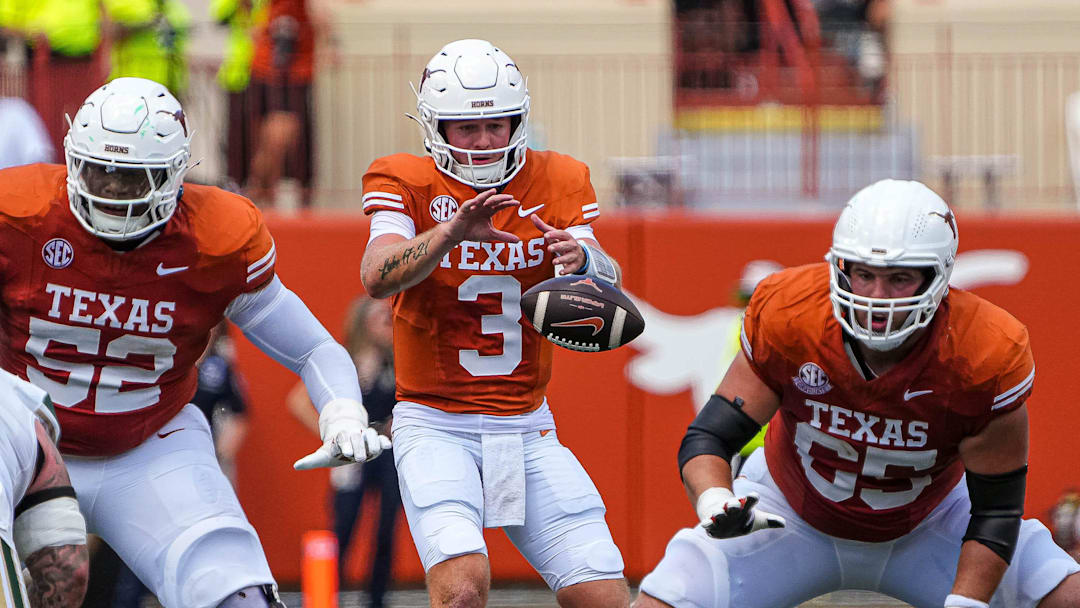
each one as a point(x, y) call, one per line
point(58, 253)
point(443, 208)
point(812, 380)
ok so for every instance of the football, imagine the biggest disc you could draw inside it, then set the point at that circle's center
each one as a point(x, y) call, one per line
point(582, 313)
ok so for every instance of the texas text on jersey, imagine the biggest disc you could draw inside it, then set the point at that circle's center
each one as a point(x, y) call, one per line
point(461, 344)
point(868, 460)
point(114, 337)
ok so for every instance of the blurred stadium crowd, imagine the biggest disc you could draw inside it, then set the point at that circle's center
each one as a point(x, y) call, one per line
point(764, 104)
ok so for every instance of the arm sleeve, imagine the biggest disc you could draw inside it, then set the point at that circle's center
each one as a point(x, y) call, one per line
point(391, 222)
point(280, 324)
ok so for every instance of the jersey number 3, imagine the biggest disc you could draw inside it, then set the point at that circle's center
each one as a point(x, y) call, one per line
point(81, 375)
point(507, 323)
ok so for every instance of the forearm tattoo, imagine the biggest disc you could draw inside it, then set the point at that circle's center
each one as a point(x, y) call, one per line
point(58, 575)
point(409, 255)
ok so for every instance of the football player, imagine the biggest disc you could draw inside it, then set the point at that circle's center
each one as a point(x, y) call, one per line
point(112, 274)
point(898, 457)
point(40, 523)
point(455, 238)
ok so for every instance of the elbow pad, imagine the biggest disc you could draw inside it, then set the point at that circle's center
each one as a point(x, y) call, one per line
point(721, 429)
point(997, 503)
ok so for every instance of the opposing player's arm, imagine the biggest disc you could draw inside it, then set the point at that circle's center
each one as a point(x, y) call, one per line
point(733, 415)
point(996, 463)
point(393, 263)
point(50, 534)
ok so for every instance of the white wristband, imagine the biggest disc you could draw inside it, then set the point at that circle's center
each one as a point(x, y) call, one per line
point(598, 265)
point(712, 501)
point(959, 601)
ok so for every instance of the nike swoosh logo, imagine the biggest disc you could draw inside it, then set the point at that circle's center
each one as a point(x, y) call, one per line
point(529, 211)
point(162, 270)
point(908, 395)
point(595, 322)
point(166, 434)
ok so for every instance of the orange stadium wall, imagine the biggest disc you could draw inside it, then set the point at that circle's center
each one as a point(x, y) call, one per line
point(624, 412)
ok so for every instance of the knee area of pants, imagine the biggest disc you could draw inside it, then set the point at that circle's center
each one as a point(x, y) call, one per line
point(452, 541)
point(692, 573)
point(601, 560)
point(213, 563)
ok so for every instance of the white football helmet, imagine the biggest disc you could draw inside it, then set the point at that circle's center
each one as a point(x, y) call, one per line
point(131, 130)
point(887, 224)
point(468, 80)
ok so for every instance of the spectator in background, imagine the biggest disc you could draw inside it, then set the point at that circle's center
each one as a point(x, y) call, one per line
point(23, 138)
point(222, 397)
point(234, 76)
point(281, 76)
point(66, 65)
point(856, 29)
point(150, 41)
point(369, 338)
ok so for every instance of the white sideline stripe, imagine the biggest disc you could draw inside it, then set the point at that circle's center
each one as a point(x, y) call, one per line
point(745, 342)
point(255, 275)
point(590, 206)
point(590, 214)
point(383, 201)
point(262, 260)
point(390, 196)
point(541, 310)
point(1009, 393)
point(617, 327)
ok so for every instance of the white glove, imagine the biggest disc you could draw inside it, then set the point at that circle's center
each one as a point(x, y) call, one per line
point(725, 516)
point(347, 438)
point(960, 601)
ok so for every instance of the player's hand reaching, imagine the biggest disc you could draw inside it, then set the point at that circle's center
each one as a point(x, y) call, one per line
point(347, 438)
point(565, 249)
point(723, 515)
point(472, 221)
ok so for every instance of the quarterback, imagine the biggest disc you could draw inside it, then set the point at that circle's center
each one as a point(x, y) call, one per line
point(112, 274)
point(455, 238)
point(897, 458)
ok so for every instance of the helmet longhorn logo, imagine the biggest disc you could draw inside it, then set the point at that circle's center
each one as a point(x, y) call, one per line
point(949, 218)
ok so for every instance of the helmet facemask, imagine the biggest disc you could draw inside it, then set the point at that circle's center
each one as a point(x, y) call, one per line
point(138, 200)
point(920, 308)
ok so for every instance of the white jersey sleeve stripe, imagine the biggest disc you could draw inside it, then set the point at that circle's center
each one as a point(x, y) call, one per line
point(254, 275)
point(590, 207)
point(390, 196)
point(1014, 393)
point(384, 202)
point(262, 260)
point(745, 341)
point(1026, 381)
point(590, 214)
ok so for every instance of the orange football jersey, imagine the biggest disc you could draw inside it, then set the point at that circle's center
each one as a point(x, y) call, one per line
point(460, 341)
point(114, 337)
point(868, 460)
